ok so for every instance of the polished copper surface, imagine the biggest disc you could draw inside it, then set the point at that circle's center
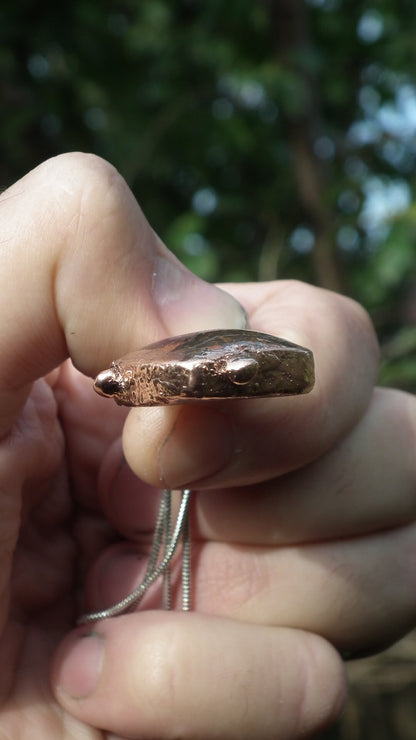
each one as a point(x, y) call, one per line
point(209, 365)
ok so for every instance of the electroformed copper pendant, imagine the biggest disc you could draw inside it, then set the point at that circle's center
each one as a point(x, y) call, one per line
point(192, 368)
point(206, 366)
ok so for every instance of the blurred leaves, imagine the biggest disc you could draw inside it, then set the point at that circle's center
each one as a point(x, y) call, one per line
point(262, 139)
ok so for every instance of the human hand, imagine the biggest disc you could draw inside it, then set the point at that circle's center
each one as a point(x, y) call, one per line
point(83, 275)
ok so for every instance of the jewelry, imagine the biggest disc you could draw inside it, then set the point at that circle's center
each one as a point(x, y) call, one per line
point(198, 367)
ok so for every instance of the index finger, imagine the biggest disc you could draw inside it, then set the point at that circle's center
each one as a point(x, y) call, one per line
point(84, 275)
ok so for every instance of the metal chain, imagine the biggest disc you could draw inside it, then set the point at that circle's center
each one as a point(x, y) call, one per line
point(186, 565)
point(162, 540)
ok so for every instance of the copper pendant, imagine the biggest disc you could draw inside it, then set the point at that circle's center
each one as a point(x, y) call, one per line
point(209, 365)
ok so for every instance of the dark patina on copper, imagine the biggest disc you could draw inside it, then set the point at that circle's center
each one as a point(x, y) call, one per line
point(208, 365)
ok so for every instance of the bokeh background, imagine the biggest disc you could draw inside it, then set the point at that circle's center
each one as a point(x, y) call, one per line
point(263, 139)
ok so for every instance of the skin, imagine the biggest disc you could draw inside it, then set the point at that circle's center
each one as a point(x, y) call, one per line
point(304, 520)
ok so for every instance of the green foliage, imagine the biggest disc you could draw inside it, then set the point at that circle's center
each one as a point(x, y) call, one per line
point(261, 138)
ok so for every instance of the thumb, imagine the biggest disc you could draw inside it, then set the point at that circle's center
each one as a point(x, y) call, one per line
point(84, 275)
point(159, 675)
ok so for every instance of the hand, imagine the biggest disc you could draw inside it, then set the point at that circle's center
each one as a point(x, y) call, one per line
point(307, 523)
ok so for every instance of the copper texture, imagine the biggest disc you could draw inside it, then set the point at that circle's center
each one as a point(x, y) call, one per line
point(207, 366)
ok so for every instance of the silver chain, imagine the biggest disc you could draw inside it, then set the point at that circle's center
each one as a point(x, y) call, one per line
point(164, 546)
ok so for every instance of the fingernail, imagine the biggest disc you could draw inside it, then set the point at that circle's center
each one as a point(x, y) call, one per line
point(192, 452)
point(190, 303)
point(81, 666)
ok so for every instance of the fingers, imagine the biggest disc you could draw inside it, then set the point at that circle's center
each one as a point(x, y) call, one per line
point(367, 483)
point(155, 675)
point(353, 504)
point(357, 593)
point(29, 460)
point(364, 484)
point(84, 274)
point(235, 443)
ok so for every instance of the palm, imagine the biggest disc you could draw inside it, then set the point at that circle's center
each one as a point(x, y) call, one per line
point(57, 528)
